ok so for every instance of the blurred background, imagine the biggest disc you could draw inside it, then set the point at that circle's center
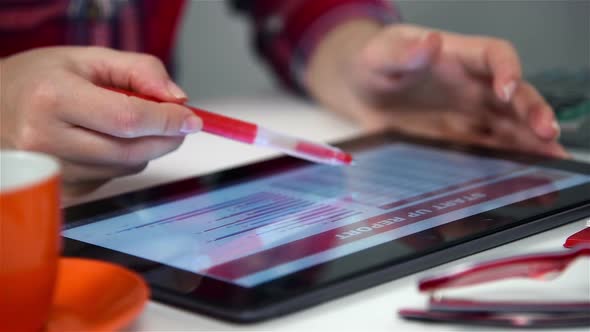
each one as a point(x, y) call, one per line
point(552, 37)
point(215, 59)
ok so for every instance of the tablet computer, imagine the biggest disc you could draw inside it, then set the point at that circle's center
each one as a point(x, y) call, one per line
point(273, 237)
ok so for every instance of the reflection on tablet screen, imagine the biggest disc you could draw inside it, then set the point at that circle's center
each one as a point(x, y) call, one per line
point(257, 231)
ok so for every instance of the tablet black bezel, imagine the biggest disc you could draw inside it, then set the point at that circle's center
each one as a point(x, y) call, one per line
point(346, 274)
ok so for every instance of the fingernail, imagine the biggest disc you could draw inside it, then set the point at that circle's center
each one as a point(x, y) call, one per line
point(557, 129)
point(508, 90)
point(176, 91)
point(191, 124)
point(548, 130)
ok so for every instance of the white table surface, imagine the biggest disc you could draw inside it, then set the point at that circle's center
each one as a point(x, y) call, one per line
point(373, 309)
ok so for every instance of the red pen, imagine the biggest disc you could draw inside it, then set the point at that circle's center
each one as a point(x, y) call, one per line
point(580, 238)
point(253, 134)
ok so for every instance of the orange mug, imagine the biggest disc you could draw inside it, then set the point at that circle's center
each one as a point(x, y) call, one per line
point(30, 221)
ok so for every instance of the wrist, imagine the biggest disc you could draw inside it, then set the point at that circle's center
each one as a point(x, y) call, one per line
point(328, 74)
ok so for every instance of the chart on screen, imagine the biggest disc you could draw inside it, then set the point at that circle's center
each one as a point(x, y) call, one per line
point(260, 230)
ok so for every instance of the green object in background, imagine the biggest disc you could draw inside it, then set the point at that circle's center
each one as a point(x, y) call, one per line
point(575, 113)
point(568, 92)
point(575, 124)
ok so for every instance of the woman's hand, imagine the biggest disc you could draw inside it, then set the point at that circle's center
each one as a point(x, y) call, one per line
point(52, 103)
point(432, 83)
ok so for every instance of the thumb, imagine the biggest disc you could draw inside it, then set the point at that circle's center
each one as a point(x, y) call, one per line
point(136, 72)
point(395, 58)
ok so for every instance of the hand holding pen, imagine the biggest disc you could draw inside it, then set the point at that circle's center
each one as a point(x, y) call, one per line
point(251, 133)
point(55, 104)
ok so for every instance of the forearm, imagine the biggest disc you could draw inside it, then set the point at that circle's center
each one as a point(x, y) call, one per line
point(288, 32)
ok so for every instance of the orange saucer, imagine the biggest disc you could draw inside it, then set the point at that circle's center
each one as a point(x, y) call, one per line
point(95, 296)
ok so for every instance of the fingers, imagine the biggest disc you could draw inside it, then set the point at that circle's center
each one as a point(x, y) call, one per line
point(137, 72)
point(82, 178)
point(498, 60)
point(81, 173)
point(447, 125)
point(92, 159)
point(504, 66)
point(488, 57)
point(79, 179)
point(118, 115)
point(70, 191)
point(395, 59)
point(533, 109)
point(482, 128)
point(395, 51)
point(97, 149)
point(509, 134)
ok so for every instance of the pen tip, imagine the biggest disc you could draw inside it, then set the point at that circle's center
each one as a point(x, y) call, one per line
point(345, 158)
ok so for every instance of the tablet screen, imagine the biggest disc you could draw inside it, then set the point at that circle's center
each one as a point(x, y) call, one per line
point(255, 232)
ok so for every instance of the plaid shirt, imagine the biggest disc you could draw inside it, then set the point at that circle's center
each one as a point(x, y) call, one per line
point(285, 32)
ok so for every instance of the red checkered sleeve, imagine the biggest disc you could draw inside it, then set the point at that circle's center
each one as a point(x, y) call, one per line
point(286, 32)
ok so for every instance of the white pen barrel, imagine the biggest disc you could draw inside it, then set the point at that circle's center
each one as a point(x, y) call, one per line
point(289, 145)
